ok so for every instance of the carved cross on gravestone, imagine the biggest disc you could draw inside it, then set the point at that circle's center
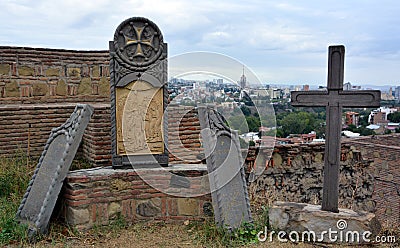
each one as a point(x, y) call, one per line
point(334, 99)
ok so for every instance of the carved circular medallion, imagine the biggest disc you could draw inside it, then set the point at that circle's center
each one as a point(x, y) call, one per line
point(138, 42)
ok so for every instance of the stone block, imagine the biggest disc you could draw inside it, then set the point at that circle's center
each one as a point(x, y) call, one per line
point(104, 87)
point(26, 71)
point(309, 223)
point(12, 89)
point(77, 216)
point(52, 72)
point(147, 209)
point(96, 71)
point(40, 89)
point(73, 72)
point(85, 87)
point(61, 89)
point(277, 159)
point(4, 69)
point(187, 206)
point(113, 209)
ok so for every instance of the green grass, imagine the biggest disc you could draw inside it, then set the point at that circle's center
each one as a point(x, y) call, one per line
point(15, 173)
point(208, 234)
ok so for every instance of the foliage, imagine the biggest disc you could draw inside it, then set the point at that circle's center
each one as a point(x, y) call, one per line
point(394, 117)
point(15, 173)
point(249, 123)
point(211, 235)
point(298, 123)
point(363, 131)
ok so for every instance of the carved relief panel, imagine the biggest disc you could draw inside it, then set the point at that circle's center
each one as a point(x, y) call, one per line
point(139, 112)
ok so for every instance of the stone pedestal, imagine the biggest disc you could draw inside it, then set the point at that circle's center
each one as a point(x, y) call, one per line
point(97, 196)
point(301, 222)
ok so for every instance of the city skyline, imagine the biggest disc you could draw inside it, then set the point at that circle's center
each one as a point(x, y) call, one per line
point(282, 42)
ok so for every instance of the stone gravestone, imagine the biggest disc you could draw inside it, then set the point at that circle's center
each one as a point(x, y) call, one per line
point(40, 198)
point(225, 170)
point(139, 95)
point(334, 99)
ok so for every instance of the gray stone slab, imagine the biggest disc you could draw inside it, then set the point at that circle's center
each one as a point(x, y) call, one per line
point(139, 95)
point(308, 223)
point(334, 99)
point(225, 170)
point(41, 195)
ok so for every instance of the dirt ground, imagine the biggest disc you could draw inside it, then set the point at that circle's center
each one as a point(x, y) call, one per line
point(148, 235)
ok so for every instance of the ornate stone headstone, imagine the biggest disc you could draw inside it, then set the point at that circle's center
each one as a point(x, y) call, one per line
point(139, 96)
point(334, 99)
point(225, 170)
point(40, 198)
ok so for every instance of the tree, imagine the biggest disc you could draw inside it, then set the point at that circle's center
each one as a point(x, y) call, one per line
point(299, 123)
point(394, 117)
point(253, 123)
point(245, 110)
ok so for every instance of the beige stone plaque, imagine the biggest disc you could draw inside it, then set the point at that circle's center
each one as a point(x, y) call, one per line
point(139, 119)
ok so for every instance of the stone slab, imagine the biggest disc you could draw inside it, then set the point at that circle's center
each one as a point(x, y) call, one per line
point(41, 195)
point(346, 226)
point(225, 170)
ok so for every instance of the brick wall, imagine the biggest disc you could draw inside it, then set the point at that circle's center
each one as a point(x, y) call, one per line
point(39, 75)
point(25, 128)
point(184, 142)
point(98, 196)
point(384, 151)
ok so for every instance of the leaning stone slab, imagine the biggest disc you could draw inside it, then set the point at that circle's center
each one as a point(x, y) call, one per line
point(225, 170)
point(301, 222)
point(41, 195)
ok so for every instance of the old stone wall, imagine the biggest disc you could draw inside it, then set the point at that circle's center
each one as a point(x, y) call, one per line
point(369, 176)
point(295, 173)
point(97, 196)
point(33, 75)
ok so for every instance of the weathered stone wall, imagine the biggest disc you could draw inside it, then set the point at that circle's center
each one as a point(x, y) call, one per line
point(98, 196)
point(32, 75)
point(295, 173)
point(369, 176)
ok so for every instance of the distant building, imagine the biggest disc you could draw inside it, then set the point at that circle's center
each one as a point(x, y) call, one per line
point(243, 80)
point(306, 87)
point(347, 86)
point(397, 93)
point(352, 118)
point(379, 116)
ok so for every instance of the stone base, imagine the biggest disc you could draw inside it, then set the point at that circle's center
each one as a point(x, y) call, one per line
point(97, 196)
point(303, 222)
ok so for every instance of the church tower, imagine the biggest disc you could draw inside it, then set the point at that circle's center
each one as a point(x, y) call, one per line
point(243, 81)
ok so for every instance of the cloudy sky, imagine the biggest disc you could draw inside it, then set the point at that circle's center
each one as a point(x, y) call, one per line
point(280, 41)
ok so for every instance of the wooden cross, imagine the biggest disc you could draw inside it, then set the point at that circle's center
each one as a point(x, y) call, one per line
point(334, 99)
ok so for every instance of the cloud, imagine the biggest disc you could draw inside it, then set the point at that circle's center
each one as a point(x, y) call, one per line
point(289, 37)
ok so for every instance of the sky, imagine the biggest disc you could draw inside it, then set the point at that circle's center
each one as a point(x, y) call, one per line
point(282, 42)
